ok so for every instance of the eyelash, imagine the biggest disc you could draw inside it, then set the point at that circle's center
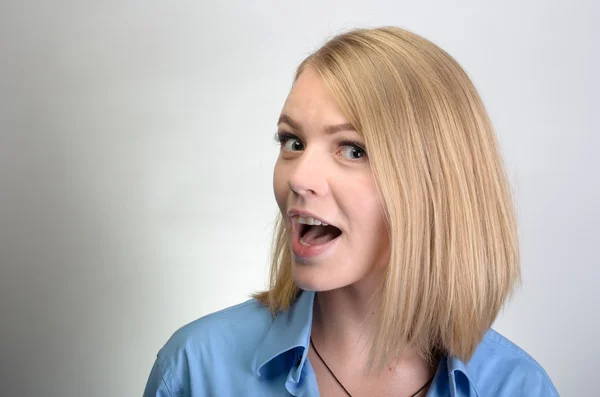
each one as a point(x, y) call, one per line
point(282, 137)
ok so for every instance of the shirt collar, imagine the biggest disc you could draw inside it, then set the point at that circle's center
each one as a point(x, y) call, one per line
point(461, 382)
point(290, 331)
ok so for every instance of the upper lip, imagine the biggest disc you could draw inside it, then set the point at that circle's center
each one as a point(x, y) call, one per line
point(297, 212)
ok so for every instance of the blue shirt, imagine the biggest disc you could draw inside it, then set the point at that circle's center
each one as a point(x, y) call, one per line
point(245, 351)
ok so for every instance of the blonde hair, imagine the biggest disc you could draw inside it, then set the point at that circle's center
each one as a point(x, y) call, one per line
point(454, 251)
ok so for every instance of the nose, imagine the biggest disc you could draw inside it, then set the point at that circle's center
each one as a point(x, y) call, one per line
point(308, 176)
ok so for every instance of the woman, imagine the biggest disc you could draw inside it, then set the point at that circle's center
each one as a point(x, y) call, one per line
point(395, 249)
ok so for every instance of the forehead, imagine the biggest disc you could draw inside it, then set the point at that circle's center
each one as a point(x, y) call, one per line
point(310, 101)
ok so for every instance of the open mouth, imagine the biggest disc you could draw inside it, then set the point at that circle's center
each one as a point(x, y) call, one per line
point(312, 235)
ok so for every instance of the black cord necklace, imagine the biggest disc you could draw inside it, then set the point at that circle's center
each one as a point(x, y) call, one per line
point(342, 386)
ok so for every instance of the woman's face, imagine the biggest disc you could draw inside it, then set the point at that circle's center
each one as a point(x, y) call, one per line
point(323, 172)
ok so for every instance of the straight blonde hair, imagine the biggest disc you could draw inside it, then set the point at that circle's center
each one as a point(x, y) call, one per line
point(454, 250)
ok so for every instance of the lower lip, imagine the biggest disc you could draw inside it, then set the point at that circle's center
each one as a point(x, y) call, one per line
point(313, 250)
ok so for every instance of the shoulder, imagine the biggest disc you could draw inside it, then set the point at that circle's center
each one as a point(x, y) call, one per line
point(501, 368)
point(234, 324)
point(218, 343)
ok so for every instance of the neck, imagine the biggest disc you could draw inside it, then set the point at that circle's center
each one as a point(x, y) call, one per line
point(345, 319)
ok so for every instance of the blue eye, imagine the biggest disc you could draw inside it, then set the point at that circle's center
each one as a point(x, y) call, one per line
point(352, 151)
point(289, 142)
point(292, 144)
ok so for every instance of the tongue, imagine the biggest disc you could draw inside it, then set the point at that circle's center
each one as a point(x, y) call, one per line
point(317, 235)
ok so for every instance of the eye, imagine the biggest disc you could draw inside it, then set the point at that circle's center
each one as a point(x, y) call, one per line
point(289, 142)
point(352, 151)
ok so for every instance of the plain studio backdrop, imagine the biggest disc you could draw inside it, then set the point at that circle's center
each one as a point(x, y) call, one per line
point(136, 158)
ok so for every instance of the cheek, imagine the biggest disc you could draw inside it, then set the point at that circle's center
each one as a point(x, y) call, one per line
point(279, 185)
point(367, 209)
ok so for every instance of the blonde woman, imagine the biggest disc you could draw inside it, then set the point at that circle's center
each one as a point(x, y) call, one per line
point(395, 249)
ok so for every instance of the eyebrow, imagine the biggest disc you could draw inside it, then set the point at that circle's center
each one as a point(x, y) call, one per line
point(330, 129)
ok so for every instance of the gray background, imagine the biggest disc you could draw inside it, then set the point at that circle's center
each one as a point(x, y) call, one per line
point(136, 156)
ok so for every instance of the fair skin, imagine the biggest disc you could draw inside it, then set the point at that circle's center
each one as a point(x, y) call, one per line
point(323, 170)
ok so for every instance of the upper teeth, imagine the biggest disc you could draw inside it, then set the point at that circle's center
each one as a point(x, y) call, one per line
point(309, 220)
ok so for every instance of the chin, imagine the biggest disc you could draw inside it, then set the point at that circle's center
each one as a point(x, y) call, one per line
point(307, 278)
